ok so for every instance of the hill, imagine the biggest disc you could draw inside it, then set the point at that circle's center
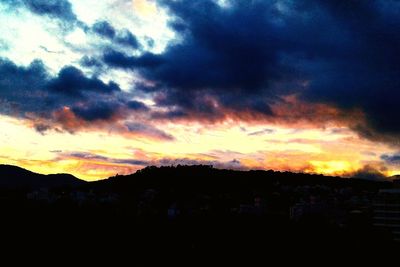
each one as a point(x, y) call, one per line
point(187, 209)
point(206, 178)
point(16, 177)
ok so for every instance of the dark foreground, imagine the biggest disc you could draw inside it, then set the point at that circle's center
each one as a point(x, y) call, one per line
point(171, 214)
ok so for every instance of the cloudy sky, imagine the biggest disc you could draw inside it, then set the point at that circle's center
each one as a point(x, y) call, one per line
point(95, 88)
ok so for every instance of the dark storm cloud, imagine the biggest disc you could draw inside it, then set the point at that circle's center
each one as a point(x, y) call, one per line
point(31, 89)
point(42, 128)
point(22, 87)
point(72, 81)
point(22, 84)
point(54, 8)
point(229, 55)
point(229, 58)
point(123, 37)
point(58, 9)
point(393, 159)
point(97, 111)
point(90, 62)
point(137, 105)
point(365, 71)
point(248, 54)
point(104, 28)
point(242, 58)
point(118, 59)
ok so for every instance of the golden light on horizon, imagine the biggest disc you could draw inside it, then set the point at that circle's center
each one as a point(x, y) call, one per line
point(279, 148)
point(333, 167)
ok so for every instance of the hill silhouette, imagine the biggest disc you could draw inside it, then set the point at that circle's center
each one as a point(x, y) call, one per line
point(199, 177)
point(207, 178)
point(180, 175)
point(16, 177)
point(183, 210)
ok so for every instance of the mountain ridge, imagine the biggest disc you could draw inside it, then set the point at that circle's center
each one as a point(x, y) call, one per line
point(12, 176)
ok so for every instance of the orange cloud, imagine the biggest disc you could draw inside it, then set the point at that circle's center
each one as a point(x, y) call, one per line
point(288, 112)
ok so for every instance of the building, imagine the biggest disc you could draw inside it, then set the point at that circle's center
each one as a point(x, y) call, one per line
point(387, 211)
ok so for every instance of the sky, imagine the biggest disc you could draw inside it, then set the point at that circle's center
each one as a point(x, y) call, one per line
point(99, 88)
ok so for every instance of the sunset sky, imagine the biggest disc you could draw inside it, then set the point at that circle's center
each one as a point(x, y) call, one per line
point(95, 88)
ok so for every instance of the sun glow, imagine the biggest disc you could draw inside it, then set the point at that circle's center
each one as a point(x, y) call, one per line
point(333, 167)
point(144, 8)
point(228, 144)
